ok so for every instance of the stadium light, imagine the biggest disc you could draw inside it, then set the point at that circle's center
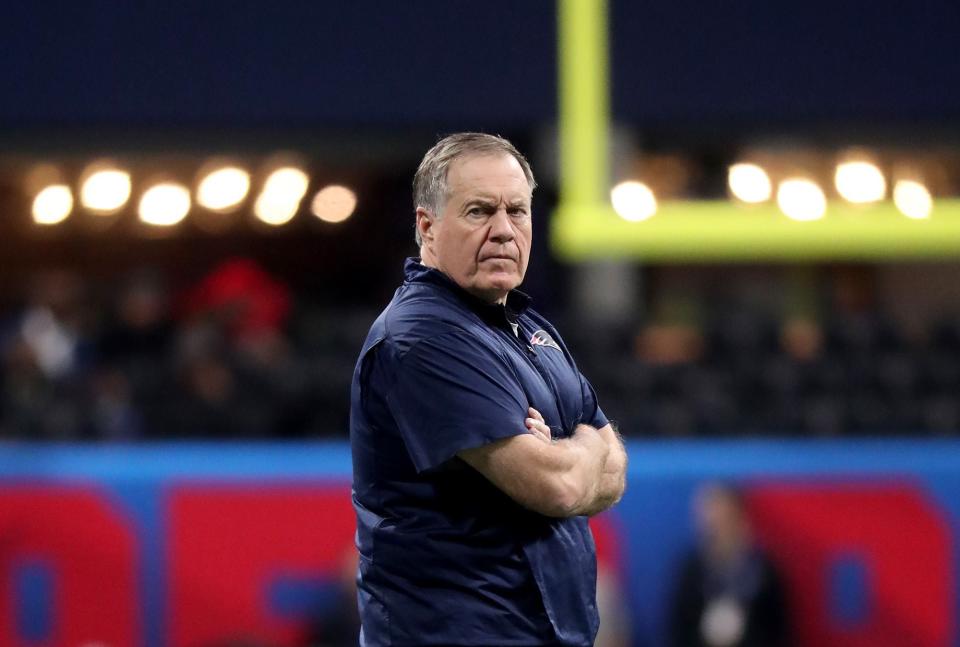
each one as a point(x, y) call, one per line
point(801, 199)
point(912, 199)
point(860, 182)
point(749, 183)
point(280, 199)
point(165, 204)
point(105, 191)
point(289, 181)
point(633, 201)
point(275, 210)
point(334, 203)
point(223, 189)
point(52, 205)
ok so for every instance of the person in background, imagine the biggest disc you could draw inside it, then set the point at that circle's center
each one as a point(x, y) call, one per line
point(45, 358)
point(729, 593)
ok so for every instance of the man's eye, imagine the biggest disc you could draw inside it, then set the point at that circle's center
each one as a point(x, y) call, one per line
point(474, 212)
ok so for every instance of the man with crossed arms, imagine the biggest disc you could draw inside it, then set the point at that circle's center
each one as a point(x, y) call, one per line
point(479, 450)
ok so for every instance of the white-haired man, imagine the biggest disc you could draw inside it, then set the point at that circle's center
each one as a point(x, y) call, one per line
point(479, 449)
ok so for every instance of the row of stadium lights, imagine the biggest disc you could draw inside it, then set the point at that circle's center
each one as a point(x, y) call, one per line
point(802, 199)
point(106, 190)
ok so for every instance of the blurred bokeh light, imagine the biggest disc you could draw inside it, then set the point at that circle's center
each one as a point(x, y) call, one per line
point(749, 183)
point(633, 201)
point(801, 199)
point(52, 205)
point(913, 199)
point(223, 189)
point(164, 204)
point(280, 199)
point(105, 190)
point(860, 182)
point(334, 203)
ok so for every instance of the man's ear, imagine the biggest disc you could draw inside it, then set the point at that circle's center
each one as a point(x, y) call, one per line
point(425, 224)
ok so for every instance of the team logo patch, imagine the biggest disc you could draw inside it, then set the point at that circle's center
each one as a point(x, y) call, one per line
point(543, 338)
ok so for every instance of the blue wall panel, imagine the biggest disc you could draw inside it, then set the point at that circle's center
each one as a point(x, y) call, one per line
point(653, 520)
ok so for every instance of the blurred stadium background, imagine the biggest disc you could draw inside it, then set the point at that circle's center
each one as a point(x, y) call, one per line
point(748, 230)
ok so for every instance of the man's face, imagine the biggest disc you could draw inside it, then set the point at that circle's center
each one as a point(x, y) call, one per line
point(482, 238)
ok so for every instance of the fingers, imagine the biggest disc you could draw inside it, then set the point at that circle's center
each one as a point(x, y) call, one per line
point(539, 431)
point(533, 413)
point(538, 426)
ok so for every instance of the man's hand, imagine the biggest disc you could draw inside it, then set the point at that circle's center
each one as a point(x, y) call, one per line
point(558, 478)
point(613, 480)
point(538, 426)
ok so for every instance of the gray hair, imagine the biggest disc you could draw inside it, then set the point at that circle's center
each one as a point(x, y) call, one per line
point(430, 180)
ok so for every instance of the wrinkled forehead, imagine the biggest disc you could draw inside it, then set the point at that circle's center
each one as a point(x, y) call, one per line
point(495, 175)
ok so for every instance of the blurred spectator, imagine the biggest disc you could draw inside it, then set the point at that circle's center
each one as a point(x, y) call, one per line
point(140, 326)
point(801, 339)
point(669, 344)
point(134, 359)
point(242, 299)
point(209, 399)
point(234, 373)
point(46, 351)
point(729, 593)
point(113, 414)
point(33, 406)
point(55, 324)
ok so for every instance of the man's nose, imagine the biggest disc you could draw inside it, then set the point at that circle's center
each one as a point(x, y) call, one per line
point(501, 229)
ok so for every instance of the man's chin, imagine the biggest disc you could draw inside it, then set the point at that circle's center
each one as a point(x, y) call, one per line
point(500, 286)
point(493, 289)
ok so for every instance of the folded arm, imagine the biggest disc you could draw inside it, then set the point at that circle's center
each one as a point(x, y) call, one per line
point(579, 475)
